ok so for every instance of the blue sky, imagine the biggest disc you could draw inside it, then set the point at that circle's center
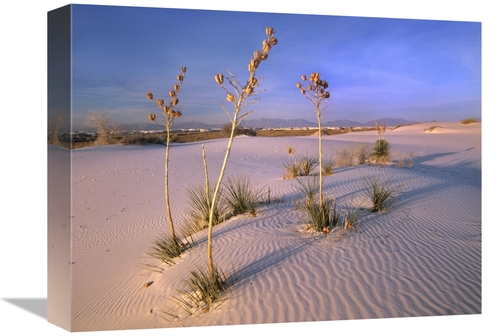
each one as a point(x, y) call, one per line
point(376, 67)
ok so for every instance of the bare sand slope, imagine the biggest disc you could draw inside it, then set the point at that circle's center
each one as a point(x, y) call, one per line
point(421, 258)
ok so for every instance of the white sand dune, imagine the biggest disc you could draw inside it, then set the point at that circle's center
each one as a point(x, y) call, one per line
point(421, 258)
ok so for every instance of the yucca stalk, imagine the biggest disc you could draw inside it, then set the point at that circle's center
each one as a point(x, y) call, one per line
point(239, 100)
point(170, 115)
point(314, 89)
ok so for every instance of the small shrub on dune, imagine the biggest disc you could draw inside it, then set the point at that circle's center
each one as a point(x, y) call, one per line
point(345, 157)
point(381, 152)
point(304, 166)
point(468, 121)
point(362, 153)
point(383, 194)
point(240, 197)
point(205, 289)
point(328, 165)
point(166, 249)
point(198, 213)
point(309, 188)
point(322, 216)
point(350, 220)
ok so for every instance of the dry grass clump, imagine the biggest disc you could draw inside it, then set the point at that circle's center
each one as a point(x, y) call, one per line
point(240, 197)
point(309, 187)
point(144, 139)
point(468, 121)
point(206, 288)
point(304, 166)
point(405, 160)
point(167, 249)
point(198, 212)
point(322, 216)
point(432, 128)
point(383, 194)
point(350, 220)
point(328, 165)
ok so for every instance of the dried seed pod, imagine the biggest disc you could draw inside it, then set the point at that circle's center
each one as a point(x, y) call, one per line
point(263, 57)
point(180, 78)
point(303, 91)
point(256, 54)
point(178, 114)
point(183, 69)
point(171, 93)
point(159, 102)
point(219, 78)
point(303, 77)
point(273, 41)
point(251, 66)
point(265, 47)
point(326, 95)
point(298, 85)
point(248, 90)
point(175, 101)
point(152, 117)
point(177, 87)
point(325, 84)
point(309, 87)
point(269, 31)
point(166, 109)
point(149, 95)
point(253, 82)
point(230, 97)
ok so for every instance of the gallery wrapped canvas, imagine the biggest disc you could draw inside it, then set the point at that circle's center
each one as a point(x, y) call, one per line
point(214, 168)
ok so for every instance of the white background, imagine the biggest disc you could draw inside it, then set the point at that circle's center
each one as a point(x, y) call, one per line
point(23, 104)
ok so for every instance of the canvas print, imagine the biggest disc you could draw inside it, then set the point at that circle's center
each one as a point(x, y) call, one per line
point(211, 168)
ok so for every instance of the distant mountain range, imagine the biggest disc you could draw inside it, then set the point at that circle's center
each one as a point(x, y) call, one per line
point(272, 123)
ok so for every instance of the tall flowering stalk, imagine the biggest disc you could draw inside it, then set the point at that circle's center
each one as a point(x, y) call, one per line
point(239, 96)
point(170, 114)
point(315, 89)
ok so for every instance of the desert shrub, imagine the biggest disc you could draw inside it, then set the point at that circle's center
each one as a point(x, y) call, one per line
point(205, 289)
point(328, 165)
point(381, 152)
point(383, 194)
point(198, 212)
point(362, 153)
point(240, 197)
point(238, 130)
point(345, 157)
point(350, 220)
point(322, 216)
point(301, 167)
point(432, 128)
point(468, 121)
point(144, 139)
point(167, 248)
point(309, 188)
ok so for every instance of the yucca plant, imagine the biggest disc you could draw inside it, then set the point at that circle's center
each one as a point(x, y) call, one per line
point(327, 167)
point(170, 114)
point(315, 90)
point(309, 188)
point(241, 96)
point(350, 220)
point(205, 289)
point(166, 249)
point(381, 151)
point(240, 197)
point(304, 166)
point(322, 216)
point(383, 194)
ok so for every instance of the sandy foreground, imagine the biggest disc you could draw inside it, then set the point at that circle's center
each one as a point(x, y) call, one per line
point(421, 258)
